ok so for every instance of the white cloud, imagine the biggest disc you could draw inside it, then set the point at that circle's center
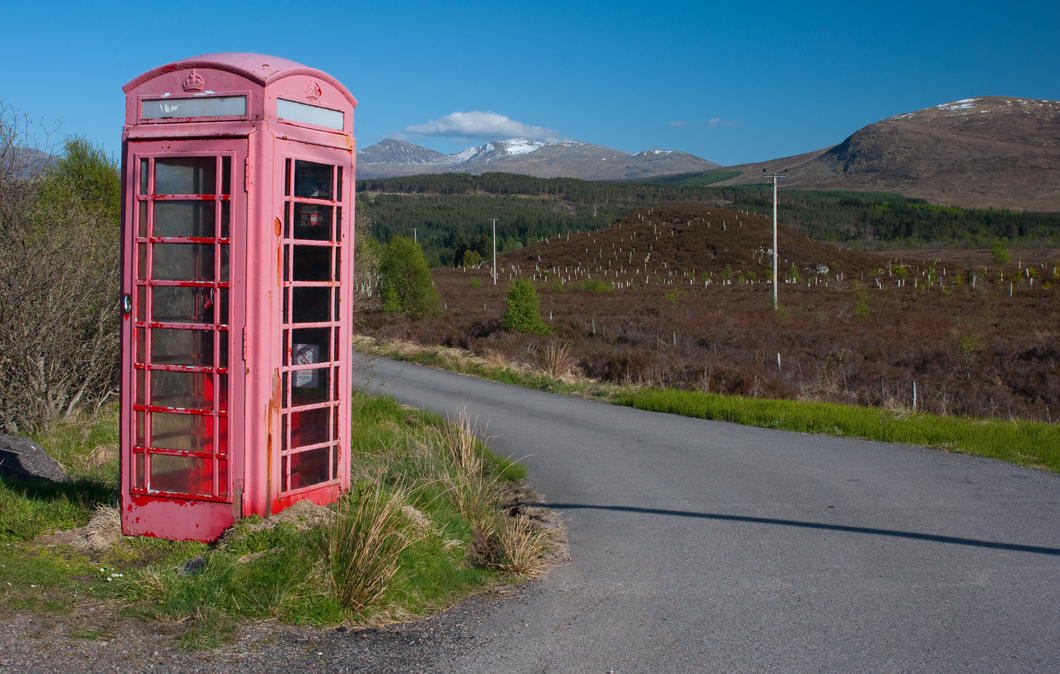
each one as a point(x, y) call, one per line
point(718, 121)
point(484, 125)
point(677, 124)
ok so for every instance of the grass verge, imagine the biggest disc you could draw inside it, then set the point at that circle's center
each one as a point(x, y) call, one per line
point(1024, 443)
point(425, 523)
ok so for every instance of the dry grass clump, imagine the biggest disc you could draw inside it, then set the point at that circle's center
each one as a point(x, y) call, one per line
point(370, 530)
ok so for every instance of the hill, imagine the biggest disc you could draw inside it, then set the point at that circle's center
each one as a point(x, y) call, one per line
point(989, 152)
point(390, 158)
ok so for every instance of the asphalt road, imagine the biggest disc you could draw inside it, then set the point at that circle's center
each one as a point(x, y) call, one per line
point(702, 546)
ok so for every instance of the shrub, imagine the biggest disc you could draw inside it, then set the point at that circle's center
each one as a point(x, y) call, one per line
point(471, 258)
point(999, 255)
point(521, 309)
point(405, 280)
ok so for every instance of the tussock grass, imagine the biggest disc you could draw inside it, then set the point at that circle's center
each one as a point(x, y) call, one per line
point(1025, 443)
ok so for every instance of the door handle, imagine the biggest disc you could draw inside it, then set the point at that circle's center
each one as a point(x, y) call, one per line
point(126, 304)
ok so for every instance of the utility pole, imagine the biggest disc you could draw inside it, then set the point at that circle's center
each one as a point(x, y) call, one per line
point(414, 235)
point(494, 221)
point(776, 275)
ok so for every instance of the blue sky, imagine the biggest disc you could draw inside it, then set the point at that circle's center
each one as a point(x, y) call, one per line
point(732, 82)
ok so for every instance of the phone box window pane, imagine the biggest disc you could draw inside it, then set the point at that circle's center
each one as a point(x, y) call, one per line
point(283, 433)
point(309, 468)
point(222, 360)
point(141, 220)
point(226, 217)
point(184, 390)
point(338, 184)
point(184, 432)
point(334, 462)
point(183, 261)
point(222, 478)
point(143, 176)
point(312, 180)
point(222, 436)
point(138, 471)
point(222, 396)
point(224, 306)
point(309, 427)
point(224, 264)
point(182, 108)
point(139, 387)
point(185, 175)
point(287, 178)
point(312, 222)
point(312, 263)
point(192, 219)
point(141, 344)
point(138, 433)
point(315, 339)
point(226, 175)
point(338, 224)
point(310, 386)
point(182, 305)
point(141, 261)
point(283, 473)
point(336, 396)
point(338, 264)
point(310, 305)
point(309, 114)
point(182, 347)
point(181, 474)
point(141, 303)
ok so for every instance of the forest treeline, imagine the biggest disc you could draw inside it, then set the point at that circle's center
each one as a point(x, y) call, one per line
point(451, 213)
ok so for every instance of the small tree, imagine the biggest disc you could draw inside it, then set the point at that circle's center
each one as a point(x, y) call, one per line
point(405, 284)
point(521, 309)
point(999, 255)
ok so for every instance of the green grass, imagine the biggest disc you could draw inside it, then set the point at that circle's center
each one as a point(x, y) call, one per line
point(272, 573)
point(1021, 442)
point(1024, 443)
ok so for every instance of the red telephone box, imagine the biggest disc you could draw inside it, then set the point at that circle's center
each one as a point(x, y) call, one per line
point(237, 268)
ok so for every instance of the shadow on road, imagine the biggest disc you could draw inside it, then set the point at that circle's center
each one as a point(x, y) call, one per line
point(934, 538)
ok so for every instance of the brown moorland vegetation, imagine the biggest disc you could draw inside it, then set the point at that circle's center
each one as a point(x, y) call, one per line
point(678, 296)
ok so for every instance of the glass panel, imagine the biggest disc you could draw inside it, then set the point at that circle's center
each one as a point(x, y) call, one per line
point(309, 468)
point(141, 261)
point(186, 390)
point(224, 264)
point(222, 435)
point(338, 263)
point(171, 304)
point(139, 388)
point(138, 432)
point(335, 353)
point(181, 474)
point(338, 184)
point(312, 180)
point(222, 385)
point(185, 218)
point(310, 305)
point(138, 471)
point(141, 303)
point(283, 432)
point(338, 224)
point(310, 386)
point(309, 114)
point(283, 391)
point(186, 432)
point(287, 221)
point(285, 303)
point(226, 216)
point(222, 360)
point(283, 473)
point(183, 261)
point(334, 462)
point(185, 175)
point(311, 345)
point(312, 263)
point(286, 263)
point(222, 478)
point(336, 396)
point(144, 163)
point(287, 178)
point(182, 347)
point(312, 222)
point(226, 175)
point(309, 427)
point(182, 108)
point(224, 306)
point(141, 344)
point(141, 220)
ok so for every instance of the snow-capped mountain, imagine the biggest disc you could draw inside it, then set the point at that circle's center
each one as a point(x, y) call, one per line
point(570, 159)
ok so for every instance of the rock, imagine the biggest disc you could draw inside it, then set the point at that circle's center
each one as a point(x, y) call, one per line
point(192, 567)
point(25, 458)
